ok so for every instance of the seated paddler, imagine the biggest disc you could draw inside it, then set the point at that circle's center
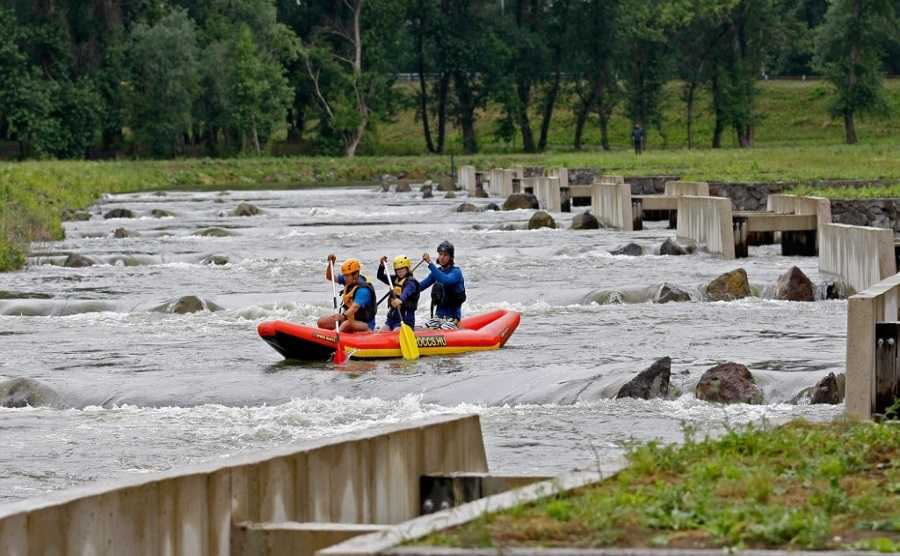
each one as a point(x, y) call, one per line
point(358, 304)
point(404, 295)
point(448, 288)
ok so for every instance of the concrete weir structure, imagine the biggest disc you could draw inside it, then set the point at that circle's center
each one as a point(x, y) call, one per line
point(466, 179)
point(860, 255)
point(611, 203)
point(323, 491)
point(706, 221)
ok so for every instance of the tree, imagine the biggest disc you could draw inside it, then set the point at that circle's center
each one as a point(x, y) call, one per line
point(348, 63)
point(849, 52)
point(164, 82)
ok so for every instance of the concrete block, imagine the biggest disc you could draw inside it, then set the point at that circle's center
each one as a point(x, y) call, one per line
point(707, 221)
point(860, 255)
point(611, 205)
point(681, 188)
point(466, 179)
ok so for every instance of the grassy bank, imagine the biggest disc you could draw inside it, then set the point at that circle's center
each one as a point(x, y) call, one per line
point(800, 486)
point(790, 113)
point(34, 194)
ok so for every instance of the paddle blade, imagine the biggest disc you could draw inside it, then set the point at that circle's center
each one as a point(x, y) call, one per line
point(408, 346)
point(339, 356)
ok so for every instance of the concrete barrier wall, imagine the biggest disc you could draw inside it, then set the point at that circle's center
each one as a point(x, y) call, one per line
point(878, 303)
point(860, 255)
point(366, 477)
point(707, 221)
point(506, 184)
point(548, 194)
point(465, 180)
point(562, 174)
point(792, 204)
point(496, 178)
point(681, 188)
point(611, 205)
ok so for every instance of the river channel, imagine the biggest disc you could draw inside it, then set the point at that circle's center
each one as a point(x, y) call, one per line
point(146, 390)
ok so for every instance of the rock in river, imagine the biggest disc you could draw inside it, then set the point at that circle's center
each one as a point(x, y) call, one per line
point(793, 285)
point(118, 213)
point(491, 206)
point(541, 219)
point(585, 221)
point(671, 293)
point(246, 209)
point(69, 215)
point(671, 248)
point(122, 233)
point(22, 392)
point(652, 382)
point(729, 286)
point(829, 390)
point(521, 201)
point(426, 192)
point(450, 195)
point(187, 304)
point(213, 232)
point(729, 383)
point(216, 260)
point(402, 187)
point(631, 249)
point(74, 260)
point(467, 207)
point(160, 213)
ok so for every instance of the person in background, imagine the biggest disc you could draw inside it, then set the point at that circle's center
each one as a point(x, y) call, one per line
point(637, 137)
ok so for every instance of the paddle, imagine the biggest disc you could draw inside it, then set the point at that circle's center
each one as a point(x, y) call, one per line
point(339, 357)
point(408, 346)
point(385, 296)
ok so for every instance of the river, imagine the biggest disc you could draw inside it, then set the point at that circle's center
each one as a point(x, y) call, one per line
point(148, 390)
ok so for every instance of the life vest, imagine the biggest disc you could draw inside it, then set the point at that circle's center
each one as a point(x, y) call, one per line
point(364, 314)
point(412, 302)
point(443, 297)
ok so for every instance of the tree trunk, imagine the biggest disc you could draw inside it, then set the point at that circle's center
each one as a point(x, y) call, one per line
point(549, 105)
point(423, 89)
point(717, 108)
point(582, 113)
point(849, 128)
point(466, 112)
point(523, 89)
point(256, 139)
point(604, 131)
point(689, 100)
point(443, 93)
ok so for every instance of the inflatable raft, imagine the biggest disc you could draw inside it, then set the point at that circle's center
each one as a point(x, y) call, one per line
point(482, 332)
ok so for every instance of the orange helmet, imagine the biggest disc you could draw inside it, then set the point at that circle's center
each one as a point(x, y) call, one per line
point(350, 266)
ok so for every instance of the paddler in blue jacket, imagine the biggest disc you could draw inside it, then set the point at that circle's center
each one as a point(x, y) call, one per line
point(404, 298)
point(358, 299)
point(449, 291)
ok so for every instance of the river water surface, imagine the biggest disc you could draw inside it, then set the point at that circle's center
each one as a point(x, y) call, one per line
point(148, 390)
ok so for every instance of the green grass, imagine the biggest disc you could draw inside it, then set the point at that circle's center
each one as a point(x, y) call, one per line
point(33, 194)
point(800, 486)
point(791, 113)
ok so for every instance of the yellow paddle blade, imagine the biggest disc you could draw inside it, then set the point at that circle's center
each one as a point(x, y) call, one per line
point(408, 346)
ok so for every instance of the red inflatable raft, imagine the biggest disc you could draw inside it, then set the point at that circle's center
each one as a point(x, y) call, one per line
point(482, 332)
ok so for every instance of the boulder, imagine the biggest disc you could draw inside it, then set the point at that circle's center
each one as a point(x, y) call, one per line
point(541, 219)
point(729, 286)
point(160, 213)
point(187, 304)
point(402, 187)
point(630, 249)
point(481, 193)
point(729, 383)
point(829, 390)
point(122, 233)
point(74, 260)
point(450, 195)
point(446, 183)
point(467, 207)
point(23, 392)
point(246, 209)
point(426, 192)
point(669, 247)
point(521, 201)
point(70, 215)
point(585, 221)
point(838, 289)
point(652, 382)
point(118, 213)
point(492, 206)
point(670, 293)
point(793, 285)
point(217, 260)
point(213, 232)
